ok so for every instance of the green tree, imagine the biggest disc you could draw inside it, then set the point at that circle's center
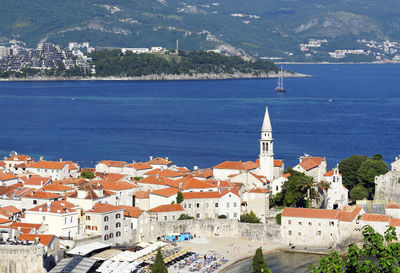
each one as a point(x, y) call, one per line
point(259, 264)
point(87, 174)
point(159, 265)
point(185, 217)
point(278, 218)
point(179, 197)
point(379, 253)
point(359, 192)
point(249, 218)
point(348, 168)
point(367, 172)
point(297, 191)
point(222, 216)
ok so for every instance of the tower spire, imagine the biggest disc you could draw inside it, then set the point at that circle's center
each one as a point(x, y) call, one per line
point(266, 127)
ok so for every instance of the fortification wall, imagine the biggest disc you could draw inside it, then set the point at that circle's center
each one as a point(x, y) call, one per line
point(387, 186)
point(218, 228)
point(21, 259)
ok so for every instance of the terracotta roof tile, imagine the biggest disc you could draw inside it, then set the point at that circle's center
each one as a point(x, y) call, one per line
point(43, 239)
point(19, 158)
point(5, 221)
point(59, 207)
point(142, 194)
point(154, 180)
point(17, 225)
point(93, 170)
point(57, 187)
point(182, 169)
point(310, 213)
point(395, 222)
point(349, 213)
point(42, 195)
point(104, 208)
point(311, 162)
point(165, 192)
point(200, 195)
point(159, 161)
point(7, 176)
point(392, 205)
point(167, 208)
point(53, 165)
point(139, 166)
point(330, 173)
point(207, 173)
point(11, 209)
point(37, 180)
point(117, 186)
point(111, 163)
point(237, 165)
point(259, 190)
point(278, 162)
point(133, 212)
point(166, 173)
point(369, 217)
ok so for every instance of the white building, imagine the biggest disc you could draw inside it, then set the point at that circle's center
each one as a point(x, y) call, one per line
point(256, 200)
point(136, 169)
point(170, 212)
point(162, 197)
point(109, 166)
point(393, 210)
point(228, 169)
point(159, 162)
point(396, 164)
point(313, 166)
point(88, 195)
point(337, 194)
point(53, 169)
point(16, 160)
point(60, 217)
point(277, 184)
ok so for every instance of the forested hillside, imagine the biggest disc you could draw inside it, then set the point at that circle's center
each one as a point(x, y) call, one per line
point(259, 27)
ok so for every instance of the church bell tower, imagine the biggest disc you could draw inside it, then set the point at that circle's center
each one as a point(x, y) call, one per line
point(267, 148)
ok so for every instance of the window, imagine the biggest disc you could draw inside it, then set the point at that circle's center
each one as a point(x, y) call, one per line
point(111, 235)
point(277, 188)
point(95, 227)
point(197, 205)
point(319, 233)
point(105, 218)
point(319, 224)
point(299, 233)
point(71, 220)
point(290, 232)
point(216, 205)
point(289, 222)
point(165, 218)
point(184, 206)
point(44, 218)
point(118, 224)
point(207, 205)
point(65, 220)
point(105, 237)
point(197, 215)
point(234, 204)
point(300, 223)
point(105, 227)
point(235, 214)
point(190, 206)
point(118, 234)
point(173, 217)
point(310, 223)
point(331, 223)
point(87, 217)
point(87, 227)
point(34, 202)
point(118, 215)
point(227, 205)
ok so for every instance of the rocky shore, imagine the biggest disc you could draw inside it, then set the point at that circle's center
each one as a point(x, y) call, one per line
point(165, 77)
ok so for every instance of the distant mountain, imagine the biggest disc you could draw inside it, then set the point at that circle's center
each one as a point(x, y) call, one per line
point(258, 27)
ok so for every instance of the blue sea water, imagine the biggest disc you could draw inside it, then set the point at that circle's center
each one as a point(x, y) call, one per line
point(342, 110)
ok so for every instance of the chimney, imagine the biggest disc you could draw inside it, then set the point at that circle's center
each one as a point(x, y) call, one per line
point(61, 160)
point(166, 158)
point(195, 168)
point(133, 161)
point(40, 209)
point(151, 158)
point(41, 158)
point(58, 211)
point(5, 158)
point(180, 185)
point(219, 182)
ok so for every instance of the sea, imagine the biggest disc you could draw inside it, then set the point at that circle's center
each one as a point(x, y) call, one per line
point(342, 110)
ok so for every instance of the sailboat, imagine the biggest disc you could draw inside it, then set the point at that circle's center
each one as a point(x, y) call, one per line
point(280, 88)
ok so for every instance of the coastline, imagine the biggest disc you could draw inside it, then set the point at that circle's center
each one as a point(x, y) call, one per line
point(164, 77)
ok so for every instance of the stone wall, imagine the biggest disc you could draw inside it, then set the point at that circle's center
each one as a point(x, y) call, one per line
point(218, 228)
point(21, 259)
point(387, 186)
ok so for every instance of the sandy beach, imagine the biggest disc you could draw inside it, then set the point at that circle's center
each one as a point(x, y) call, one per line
point(233, 249)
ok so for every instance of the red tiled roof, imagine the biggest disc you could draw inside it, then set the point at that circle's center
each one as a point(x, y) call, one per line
point(42, 195)
point(19, 158)
point(311, 162)
point(142, 194)
point(90, 190)
point(167, 208)
point(93, 170)
point(310, 213)
point(43, 239)
point(5, 221)
point(394, 222)
point(54, 165)
point(369, 217)
point(200, 195)
point(193, 183)
point(159, 161)
point(154, 180)
point(278, 162)
point(133, 212)
point(59, 207)
point(330, 173)
point(286, 175)
point(117, 186)
point(165, 192)
point(237, 165)
point(104, 208)
point(36, 180)
point(203, 173)
point(182, 169)
point(139, 166)
point(72, 165)
point(112, 177)
point(11, 209)
point(166, 173)
point(259, 190)
point(349, 213)
point(2, 163)
point(111, 163)
point(57, 187)
point(17, 225)
point(392, 205)
point(7, 176)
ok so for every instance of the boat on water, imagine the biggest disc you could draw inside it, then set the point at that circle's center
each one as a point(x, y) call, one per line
point(280, 88)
